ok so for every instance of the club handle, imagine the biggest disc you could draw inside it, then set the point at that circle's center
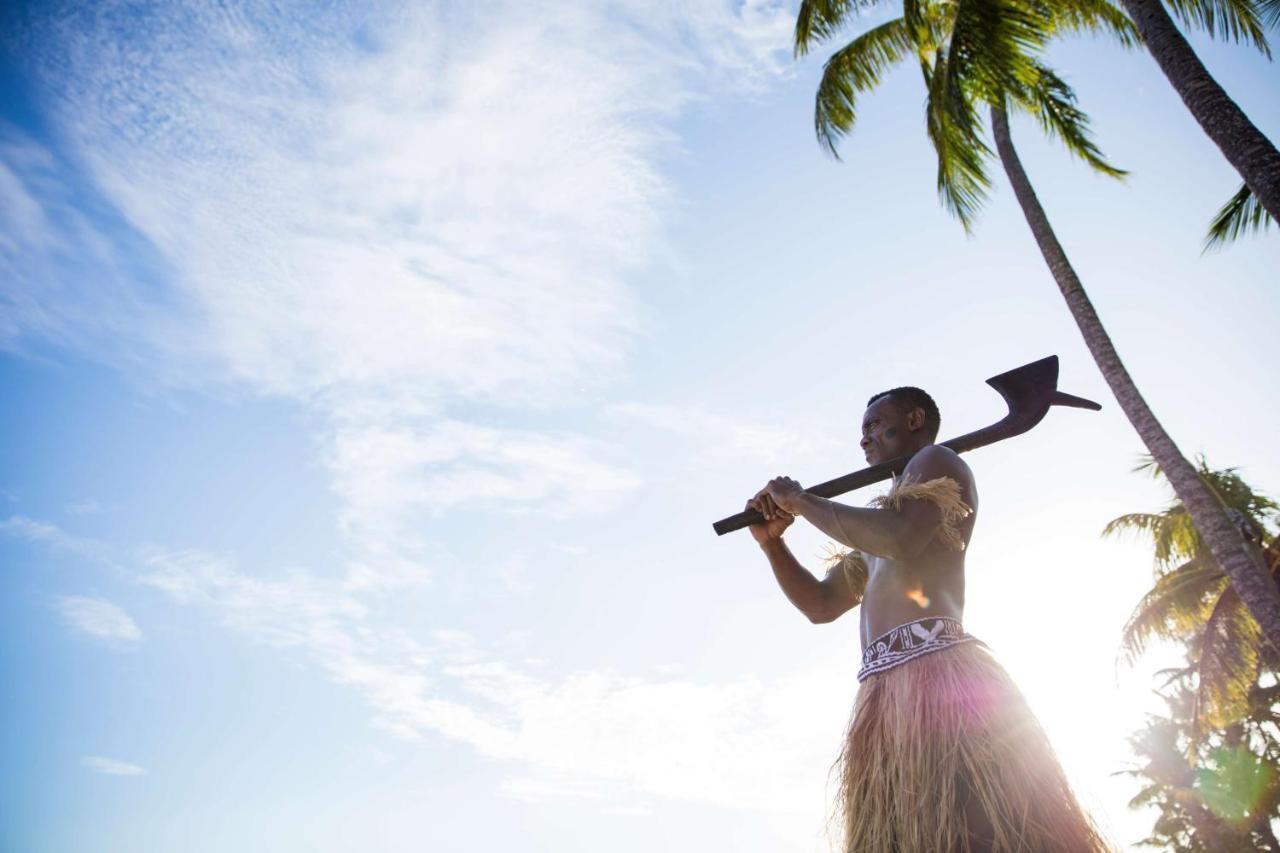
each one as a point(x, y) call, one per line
point(829, 489)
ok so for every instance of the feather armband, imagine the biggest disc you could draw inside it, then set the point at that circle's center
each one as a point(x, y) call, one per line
point(942, 492)
point(853, 567)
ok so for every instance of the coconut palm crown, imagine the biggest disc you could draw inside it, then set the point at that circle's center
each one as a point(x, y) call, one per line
point(971, 54)
point(1191, 602)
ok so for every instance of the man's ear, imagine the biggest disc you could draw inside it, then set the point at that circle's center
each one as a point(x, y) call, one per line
point(915, 419)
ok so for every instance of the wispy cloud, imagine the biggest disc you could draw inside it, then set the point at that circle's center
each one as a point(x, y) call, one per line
point(98, 618)
point(394, 478)
point(36, 530)
point(409, 197)
point(416, 220)
point(716, 438)
point(420, 223)
point(616, 736)
point(111, 766)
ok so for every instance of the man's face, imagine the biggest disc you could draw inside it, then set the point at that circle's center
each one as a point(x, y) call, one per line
point(885, 432)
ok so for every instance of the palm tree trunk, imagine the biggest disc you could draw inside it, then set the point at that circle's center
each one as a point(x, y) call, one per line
point(1248, 576)
point(1244, 146)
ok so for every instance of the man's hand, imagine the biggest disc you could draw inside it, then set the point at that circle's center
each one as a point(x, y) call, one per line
point(785, 494)
point(777, 502)
point(775, 523)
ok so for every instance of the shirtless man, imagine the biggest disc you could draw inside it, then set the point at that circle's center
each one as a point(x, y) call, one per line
point(910, 572)
point(942, 753)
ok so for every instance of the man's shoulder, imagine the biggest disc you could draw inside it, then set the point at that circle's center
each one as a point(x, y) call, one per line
point(935, 460)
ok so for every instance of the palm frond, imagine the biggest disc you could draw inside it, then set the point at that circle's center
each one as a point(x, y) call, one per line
point(1090, 16)
point(818, 20)
point(929, 26)
point(1234, 20)
point(1053, 103)
point(857, 67)
point(1134, 522)
point(1269, 12)
point(992, 46)
point(1241, 215)
point(1176, 608)
point(1173, 536)
point(1228, 665)
point(952, 124)
point(1232, 489)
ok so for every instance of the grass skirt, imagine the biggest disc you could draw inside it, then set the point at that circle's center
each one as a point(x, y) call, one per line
point(943, 754)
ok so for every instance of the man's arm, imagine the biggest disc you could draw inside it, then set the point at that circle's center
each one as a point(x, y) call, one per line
point(896, 534)
point(820, 600)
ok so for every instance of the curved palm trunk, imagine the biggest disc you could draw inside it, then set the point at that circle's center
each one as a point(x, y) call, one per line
point(1249, 578)
point(1245, 147)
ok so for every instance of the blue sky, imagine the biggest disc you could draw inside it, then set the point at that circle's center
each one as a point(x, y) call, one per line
point(374, 376)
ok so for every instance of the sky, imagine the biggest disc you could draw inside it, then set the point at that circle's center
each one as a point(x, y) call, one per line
point(373, 373)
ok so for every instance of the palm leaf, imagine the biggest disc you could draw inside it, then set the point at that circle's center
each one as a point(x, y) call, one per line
point(1090, 16)
point(1240, 216)
point(818, 20)
point(1053, 103)
point(987, 55)
point(857, 67)
point(1228, 665)
point(953, 128)
point(1176, 608)
point(1172, 534)
point(992, 46)
point(1269, 11)
point(1227, 484)
point(1235, 20)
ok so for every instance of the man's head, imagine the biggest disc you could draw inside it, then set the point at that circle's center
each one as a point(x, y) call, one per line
point(898, 422)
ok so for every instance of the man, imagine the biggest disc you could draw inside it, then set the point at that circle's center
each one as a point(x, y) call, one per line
point(942, 753)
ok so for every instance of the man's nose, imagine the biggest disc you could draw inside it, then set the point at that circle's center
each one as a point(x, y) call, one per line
point(865, 443)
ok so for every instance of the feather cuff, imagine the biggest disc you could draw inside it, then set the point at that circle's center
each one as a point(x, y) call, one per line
point(853, 567)
point(942, 492)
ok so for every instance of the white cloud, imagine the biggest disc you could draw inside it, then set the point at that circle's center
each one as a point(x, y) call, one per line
point(420, 223)
point(395, 216)
point(99, 618)
point(719, 438)
point(35, 530)
point(453, 208)
point(110, 766)
point(615, 736)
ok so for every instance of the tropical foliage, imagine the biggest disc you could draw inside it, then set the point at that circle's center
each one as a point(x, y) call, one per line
point(977, 55)
point(1221, 794)
point(971, 54)
point(1240, 216)
point(1209, 765)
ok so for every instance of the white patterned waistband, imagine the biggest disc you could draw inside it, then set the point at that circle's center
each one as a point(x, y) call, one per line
point(910, 641)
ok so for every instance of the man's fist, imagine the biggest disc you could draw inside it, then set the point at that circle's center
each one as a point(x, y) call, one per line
point(784, 493)
point(776, 520)
point(777, 502)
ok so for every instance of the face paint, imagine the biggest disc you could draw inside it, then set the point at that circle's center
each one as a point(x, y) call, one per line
point(890, 433)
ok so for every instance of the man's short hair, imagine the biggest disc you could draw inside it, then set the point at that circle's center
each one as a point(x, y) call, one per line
point(910, 397)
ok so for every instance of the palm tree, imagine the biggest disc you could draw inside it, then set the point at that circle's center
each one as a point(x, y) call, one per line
point(1227, 795)
point(976, 54)
point(1247, 149)
point(1208, 764)
point(1192, 602)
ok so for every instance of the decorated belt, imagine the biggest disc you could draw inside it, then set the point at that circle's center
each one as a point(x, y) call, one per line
point(910, 641)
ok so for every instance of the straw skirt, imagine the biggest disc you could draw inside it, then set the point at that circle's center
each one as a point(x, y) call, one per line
point(942, 754)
